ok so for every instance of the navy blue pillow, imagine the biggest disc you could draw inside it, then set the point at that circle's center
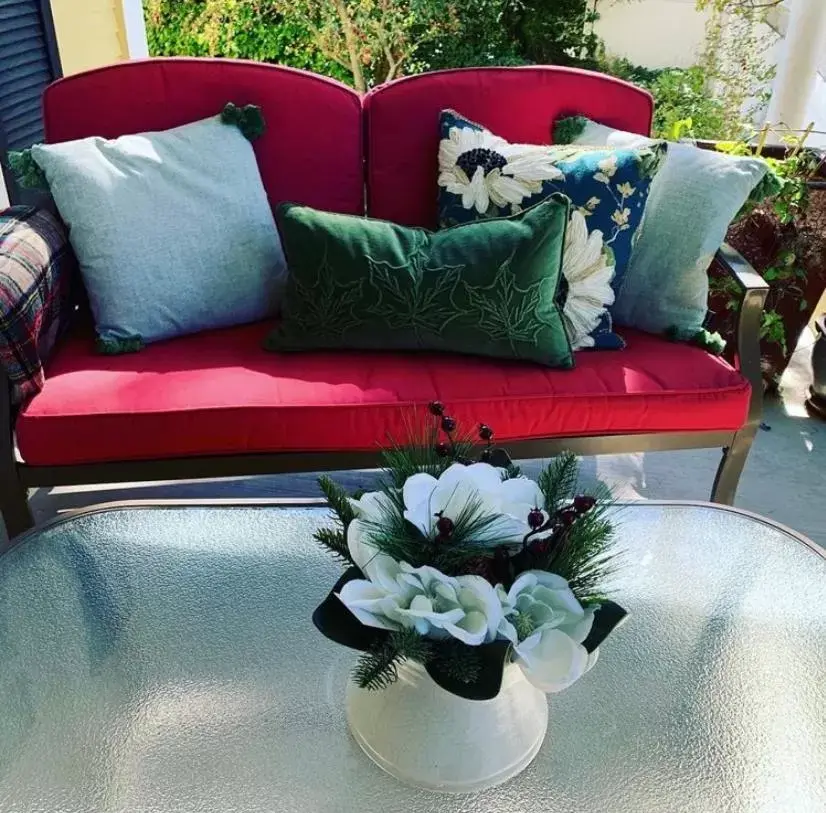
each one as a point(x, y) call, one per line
point(482, 176)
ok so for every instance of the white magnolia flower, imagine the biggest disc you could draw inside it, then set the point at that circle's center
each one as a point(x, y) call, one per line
point(553, 623)
point(370, 510)
point(607, 169)
point(436, 606)
point(507, 502)
point(588, 270)
point(485, 169)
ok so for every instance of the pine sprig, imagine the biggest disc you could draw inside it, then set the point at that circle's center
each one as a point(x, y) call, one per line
point(458, 661)
point(585, 559)
point(558, 481)
point(378, 667)
point(337, 499)
point(335, 541)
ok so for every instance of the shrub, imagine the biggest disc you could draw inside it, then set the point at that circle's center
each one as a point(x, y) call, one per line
point(366, 42)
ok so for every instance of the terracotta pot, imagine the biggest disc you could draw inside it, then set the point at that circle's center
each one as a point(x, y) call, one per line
point(428, 737)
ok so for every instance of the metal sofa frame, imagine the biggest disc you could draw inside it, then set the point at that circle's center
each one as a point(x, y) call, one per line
point(16, 476)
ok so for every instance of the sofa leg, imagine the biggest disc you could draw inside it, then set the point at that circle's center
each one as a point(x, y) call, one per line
point(731, 467)
point(14, 507)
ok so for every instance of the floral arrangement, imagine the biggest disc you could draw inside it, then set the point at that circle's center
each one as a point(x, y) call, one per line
point(468, 566)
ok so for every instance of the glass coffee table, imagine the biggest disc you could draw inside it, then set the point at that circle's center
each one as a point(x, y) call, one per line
point(162, 658)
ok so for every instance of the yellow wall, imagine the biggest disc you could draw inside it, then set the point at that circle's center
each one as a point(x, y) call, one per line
point(90, 33)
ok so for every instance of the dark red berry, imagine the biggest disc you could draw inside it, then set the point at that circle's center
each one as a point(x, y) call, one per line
point(568, 516)
point(539, 547)
point(448, 424)
point(485, 432)
point(443, 450)
point(584, 503)
point(436, 408)
point(445, 527)
point(535, 518)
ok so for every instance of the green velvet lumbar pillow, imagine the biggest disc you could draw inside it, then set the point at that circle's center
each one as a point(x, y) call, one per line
point(485, 288)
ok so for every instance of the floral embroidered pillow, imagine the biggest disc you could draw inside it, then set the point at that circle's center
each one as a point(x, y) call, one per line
point(482, 175)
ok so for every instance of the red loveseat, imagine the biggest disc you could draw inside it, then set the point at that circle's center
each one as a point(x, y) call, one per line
point(215, 404)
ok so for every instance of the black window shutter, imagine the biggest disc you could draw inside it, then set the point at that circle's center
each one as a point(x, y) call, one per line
point(29, 61)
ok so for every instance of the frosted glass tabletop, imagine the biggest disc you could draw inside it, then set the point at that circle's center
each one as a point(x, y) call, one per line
point(163, 659)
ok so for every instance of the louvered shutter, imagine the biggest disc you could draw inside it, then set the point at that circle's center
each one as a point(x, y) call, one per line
point(28, 62)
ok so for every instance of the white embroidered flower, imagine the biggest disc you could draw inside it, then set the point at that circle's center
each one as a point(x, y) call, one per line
point(541, 609)
point(460, 488)
point(588, 270)
point(436, 606)
point(626, 190)
point(485, 169)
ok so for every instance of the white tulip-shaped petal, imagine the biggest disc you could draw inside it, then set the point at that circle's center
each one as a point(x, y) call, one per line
point(551, 660)
point(377, 566)
point(371, 604)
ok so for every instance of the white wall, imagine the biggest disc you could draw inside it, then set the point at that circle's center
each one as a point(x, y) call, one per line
point(652, 33)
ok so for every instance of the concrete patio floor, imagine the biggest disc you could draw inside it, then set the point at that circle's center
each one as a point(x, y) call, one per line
point(784, 479)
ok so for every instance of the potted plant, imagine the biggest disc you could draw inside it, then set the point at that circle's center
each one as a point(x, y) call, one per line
point(471, 592)
point(784, 238)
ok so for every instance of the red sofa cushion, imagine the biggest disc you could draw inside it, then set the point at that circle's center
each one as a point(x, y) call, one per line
point(311, 152)
point(218, 392)
point(518, 104)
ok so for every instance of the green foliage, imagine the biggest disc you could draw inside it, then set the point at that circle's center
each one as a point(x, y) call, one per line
point(553, 32)
point(585, 559)
point(335, 541)
point(683, 103)
point(378, 667)
point(366, 42)
point(773, 329)
point(558, 481)
point(240, 29)
point(419, 454)
point(337, 498)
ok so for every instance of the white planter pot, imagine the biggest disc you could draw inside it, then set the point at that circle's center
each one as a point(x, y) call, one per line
point(425, 736)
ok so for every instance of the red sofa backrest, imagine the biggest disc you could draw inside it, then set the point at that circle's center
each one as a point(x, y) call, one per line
point(319, 130)
point(311, 152)
point(518, 104)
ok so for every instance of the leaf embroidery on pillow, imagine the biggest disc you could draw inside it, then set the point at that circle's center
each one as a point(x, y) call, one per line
point(327, 304)
point(506, 311)
point(415, 296)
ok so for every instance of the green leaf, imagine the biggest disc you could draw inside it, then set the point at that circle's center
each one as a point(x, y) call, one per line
point(803, 305)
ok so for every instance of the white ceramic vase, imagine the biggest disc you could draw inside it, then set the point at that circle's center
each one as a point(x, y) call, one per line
point(425, 736)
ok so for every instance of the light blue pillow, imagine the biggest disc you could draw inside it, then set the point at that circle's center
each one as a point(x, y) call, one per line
point(482, 176)
point(172, 230)
point(692, 201)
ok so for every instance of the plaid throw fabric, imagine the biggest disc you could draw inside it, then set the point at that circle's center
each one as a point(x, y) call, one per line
point(36, 266)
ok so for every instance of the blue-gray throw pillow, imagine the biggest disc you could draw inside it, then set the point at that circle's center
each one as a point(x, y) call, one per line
point(693, 199)
point(482, 175)
point(172, 230)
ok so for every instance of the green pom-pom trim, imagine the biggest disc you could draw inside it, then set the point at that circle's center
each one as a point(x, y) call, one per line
point(248, 119)
point(26, 170)
point(117, 347)
point(712, 343)
point(568, 130)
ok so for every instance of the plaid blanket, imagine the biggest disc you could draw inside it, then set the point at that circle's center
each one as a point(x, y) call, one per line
point(36, 266)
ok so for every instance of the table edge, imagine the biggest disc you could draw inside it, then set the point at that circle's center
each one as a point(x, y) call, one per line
point(319, 502)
